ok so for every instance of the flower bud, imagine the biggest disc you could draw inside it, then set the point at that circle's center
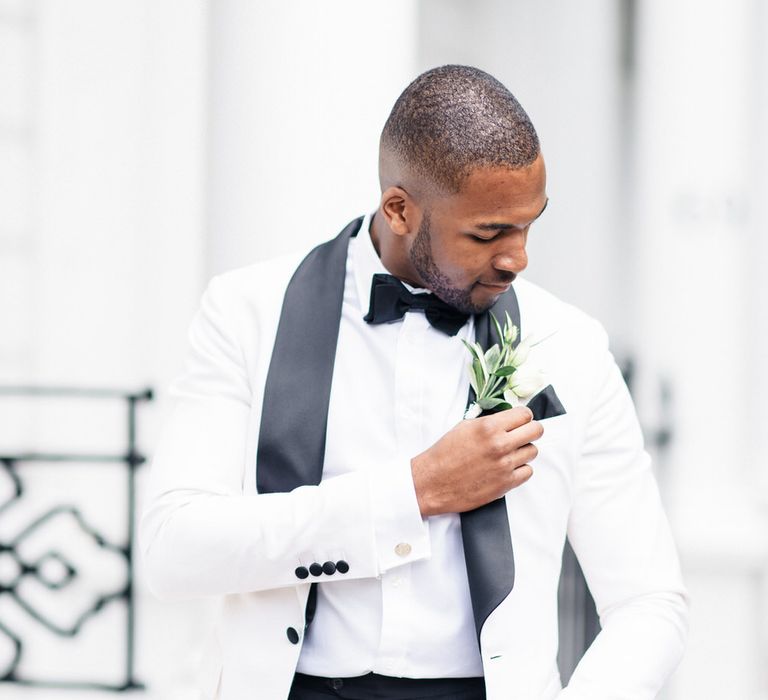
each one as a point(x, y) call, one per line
point(520, 355)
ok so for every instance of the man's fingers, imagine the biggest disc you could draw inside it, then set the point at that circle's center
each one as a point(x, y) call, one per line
point(528, 432)
point(522, 474)
point(510, 419)
point(526, 453)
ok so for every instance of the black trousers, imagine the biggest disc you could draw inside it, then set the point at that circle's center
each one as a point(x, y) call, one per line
point(375, 687)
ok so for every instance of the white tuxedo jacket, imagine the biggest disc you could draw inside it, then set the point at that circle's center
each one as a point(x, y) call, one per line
point(207, 532)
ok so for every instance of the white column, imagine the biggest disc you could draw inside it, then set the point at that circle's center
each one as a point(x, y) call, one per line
point(18, 139)
point(757, 246)
point(299, 92)
point(120, 119)
point(696, 158)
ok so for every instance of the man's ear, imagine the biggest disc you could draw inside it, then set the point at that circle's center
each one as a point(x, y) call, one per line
point(401, 212)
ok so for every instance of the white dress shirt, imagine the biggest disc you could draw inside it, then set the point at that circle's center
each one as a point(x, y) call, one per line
point(397, 388)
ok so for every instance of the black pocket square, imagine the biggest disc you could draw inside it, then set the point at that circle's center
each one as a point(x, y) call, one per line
point(546, 404)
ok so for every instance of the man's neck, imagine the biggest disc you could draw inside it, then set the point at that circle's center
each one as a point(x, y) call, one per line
point(391, 251)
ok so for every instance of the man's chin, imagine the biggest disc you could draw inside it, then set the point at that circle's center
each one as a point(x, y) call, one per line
point(475, 300)
point(488, 297)
point(477, 306)
point(487, 306)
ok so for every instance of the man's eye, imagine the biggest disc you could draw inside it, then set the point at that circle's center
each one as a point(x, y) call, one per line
point(484, 240)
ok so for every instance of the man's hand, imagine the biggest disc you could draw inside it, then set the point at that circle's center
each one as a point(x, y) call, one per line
point(476, 462)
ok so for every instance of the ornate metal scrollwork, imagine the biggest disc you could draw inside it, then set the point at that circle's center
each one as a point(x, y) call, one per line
point(30, 580)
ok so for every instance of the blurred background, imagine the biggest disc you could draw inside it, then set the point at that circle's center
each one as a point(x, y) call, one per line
point(146, 145)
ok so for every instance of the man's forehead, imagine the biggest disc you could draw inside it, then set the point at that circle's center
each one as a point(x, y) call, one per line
point(491, 194)
point(498, 225)
point(503, 174)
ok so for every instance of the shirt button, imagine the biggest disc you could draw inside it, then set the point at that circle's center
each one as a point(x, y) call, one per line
point(403, 549)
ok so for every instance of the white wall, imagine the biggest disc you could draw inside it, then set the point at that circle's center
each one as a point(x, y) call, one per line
point(299, 92)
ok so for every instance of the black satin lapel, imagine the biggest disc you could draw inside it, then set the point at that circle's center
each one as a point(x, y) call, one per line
point(506, 303)
point(485, 531)
point(298, 386)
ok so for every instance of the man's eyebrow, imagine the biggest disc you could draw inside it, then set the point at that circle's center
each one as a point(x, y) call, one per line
point(502, 226)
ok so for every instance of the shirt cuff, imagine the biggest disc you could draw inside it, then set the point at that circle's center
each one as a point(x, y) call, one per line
point(402, 535)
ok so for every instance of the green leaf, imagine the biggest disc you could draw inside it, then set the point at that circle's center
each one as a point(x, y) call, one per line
point(505, 371)
point(499, 333)
point(471, 347)
point(481, 360)
point(492, 357)
point(487, 404)
point(473, 380)
point(477, 371)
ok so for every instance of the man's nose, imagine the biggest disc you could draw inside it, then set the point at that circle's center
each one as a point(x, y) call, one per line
point(514, 258)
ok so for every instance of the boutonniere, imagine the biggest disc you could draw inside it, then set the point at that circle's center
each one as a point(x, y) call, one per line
point(502, 377)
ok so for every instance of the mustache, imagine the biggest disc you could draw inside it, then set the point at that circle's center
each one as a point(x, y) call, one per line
point(504, 278)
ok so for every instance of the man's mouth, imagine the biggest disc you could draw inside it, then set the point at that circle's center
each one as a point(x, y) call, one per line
point(500, 285)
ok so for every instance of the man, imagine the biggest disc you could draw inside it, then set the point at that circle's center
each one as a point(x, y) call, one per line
point(318, 439)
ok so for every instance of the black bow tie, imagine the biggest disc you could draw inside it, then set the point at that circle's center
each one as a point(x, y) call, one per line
point(390, 301)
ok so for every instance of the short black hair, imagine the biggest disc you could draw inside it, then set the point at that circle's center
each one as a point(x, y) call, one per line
point(453, 119)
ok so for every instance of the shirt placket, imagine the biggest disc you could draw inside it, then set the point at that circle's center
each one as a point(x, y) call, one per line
point(410, 373)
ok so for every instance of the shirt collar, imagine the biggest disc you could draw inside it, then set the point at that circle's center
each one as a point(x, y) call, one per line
point(366, 263)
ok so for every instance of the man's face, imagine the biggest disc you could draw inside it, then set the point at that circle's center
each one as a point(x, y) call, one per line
point(471, 245)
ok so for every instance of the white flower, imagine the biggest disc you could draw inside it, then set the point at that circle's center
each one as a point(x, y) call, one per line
point(473, 411)
point(520, 353)
point(512, 398)
point(525, 382)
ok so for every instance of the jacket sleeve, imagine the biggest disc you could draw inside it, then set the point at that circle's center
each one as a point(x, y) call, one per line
point(622, 539)
point(203, 533)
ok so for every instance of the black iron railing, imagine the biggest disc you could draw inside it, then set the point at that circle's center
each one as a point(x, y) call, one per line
point(53, 570)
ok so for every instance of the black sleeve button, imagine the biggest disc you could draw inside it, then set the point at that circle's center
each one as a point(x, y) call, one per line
point(329, 568)
point(315, 569)
point(301, 572)
point(342, 567)
point(293, 635)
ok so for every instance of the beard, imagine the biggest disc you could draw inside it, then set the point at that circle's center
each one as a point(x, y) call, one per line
point(434, 279)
